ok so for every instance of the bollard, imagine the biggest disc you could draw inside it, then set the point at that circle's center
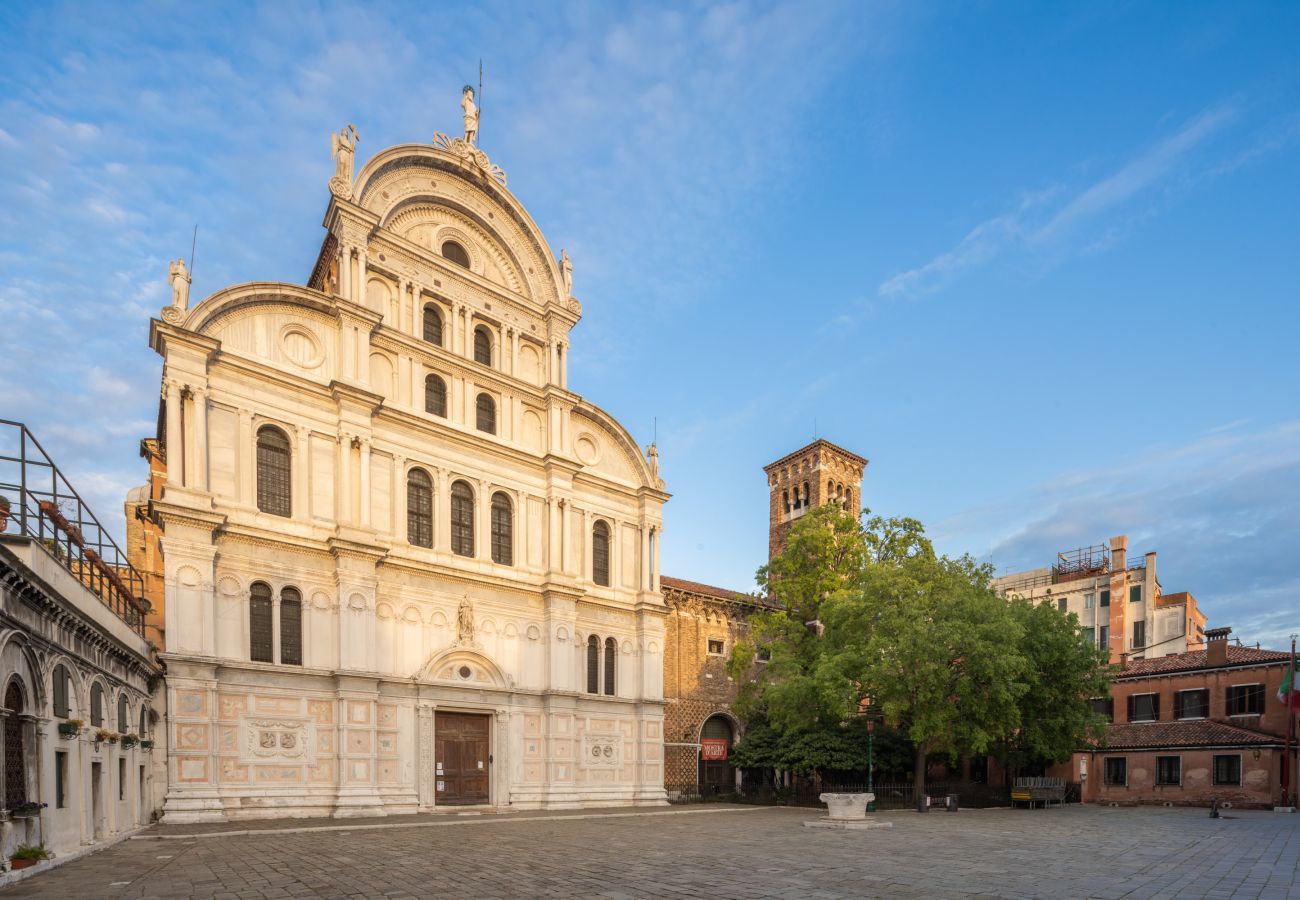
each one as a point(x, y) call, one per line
point(1214, 807)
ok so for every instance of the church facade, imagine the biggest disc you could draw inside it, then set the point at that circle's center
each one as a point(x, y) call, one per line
point(404, 566)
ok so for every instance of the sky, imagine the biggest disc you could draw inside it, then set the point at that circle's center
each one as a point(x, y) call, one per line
point(1037, 262)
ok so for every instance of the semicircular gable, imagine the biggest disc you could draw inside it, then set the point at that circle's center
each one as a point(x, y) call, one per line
point(428, 224)
point(286, 326)
point(616, 454)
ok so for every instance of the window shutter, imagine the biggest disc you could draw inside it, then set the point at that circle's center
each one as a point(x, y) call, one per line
point(1130, 707)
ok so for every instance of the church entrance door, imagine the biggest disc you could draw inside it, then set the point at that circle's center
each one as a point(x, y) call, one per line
point(461, 758)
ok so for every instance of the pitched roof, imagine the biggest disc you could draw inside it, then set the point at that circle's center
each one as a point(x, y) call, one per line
point(708, 590)
point(820, 442)
point(1196, 659)
point(1187, 733)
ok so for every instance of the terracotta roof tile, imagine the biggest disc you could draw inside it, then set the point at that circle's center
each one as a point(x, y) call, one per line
point(1196, 659)
point(708, 590)
point(1193, 733)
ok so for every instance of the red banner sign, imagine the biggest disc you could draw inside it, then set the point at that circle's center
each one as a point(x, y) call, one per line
point(714, 748)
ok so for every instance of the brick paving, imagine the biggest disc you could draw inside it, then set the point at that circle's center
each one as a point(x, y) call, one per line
point(714, 852)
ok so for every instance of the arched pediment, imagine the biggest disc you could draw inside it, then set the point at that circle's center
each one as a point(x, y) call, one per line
point(604, 446)
point(465, 667)
point(428, 224)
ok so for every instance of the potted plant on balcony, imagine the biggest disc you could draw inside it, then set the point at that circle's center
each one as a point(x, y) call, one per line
point(28, 855)
point(70, 728)
point(28, 809)
point(4, 512)
point(129, 741)
point(146, 744)
point(103, 735)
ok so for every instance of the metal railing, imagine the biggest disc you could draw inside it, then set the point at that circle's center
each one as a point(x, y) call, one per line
point(45, 507)
point(889, 795)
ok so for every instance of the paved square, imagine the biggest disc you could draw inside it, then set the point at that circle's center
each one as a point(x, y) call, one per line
point(707, 852)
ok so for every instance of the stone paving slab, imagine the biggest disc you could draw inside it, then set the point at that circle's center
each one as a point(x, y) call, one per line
point(717, 852)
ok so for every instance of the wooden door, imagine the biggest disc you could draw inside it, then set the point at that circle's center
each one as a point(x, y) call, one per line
point(461, 758)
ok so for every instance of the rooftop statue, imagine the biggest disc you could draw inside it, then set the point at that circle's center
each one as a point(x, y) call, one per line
point(179, 278)
point(465, 147)
point(343, 147)
point(566, 269)
point(471, 115)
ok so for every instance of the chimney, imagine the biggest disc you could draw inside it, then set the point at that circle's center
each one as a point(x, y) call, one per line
point(1216, 646)
point(1151, 568)
point(1118, 554)
point(1123, 661)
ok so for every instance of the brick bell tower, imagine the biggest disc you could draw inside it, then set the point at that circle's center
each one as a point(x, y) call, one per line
point(819, 473)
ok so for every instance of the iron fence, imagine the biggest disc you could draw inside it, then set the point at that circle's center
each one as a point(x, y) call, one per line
point(889, 795)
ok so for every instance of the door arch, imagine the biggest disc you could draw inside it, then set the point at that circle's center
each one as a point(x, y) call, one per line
point(717, 737)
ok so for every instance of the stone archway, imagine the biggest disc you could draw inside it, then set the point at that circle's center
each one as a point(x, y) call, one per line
point(717, 737)
point(15, 745)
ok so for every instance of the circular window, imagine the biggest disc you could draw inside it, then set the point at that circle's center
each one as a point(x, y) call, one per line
point(301, 347)
point(465, 672)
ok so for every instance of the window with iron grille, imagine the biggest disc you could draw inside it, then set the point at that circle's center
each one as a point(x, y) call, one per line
point(290, 627)
point(1194, 704)
point(259, 623)
point(482, 346)
point(1227, 769)
point(715, 647)
point(600, 553)
point(456, 253)
point(61, 678)
point(419, 508)
point(123, 715)
point(462, 519)
point(273, 493)
point(485, 417)
point(15, 754)
point(96, 705)
point(503, 538)
point(435, 396)
point(1245, 700)
point(1143, 707)
point(1139, 635)
point(1116, 773)
point(611, 664)
point(593, 665)
point(1169, 770)
point(433, 325)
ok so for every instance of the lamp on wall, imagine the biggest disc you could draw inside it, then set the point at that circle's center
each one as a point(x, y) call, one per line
point(1255, 753)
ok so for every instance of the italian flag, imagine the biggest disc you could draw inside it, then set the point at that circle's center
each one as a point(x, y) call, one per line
point(1287, 691)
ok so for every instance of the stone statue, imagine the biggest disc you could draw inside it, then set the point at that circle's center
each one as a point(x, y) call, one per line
point(566, 270)
point(179, 277)
point(652, 455)
point(465, 621)
point(343, 147)
point(471, 115)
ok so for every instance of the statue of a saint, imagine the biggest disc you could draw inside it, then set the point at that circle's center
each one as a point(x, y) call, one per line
point(471, 115)
point(566, 271)
point(465, 621)
point(343, 147)
point(652, 456)
point(179, 278)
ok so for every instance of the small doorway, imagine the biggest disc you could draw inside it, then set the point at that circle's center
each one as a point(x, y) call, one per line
point(716, 773)
point(461, 758)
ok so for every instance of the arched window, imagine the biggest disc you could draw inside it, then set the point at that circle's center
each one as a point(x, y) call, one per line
point(15, 753)
point(260, 644)
point(482, 346)
point(456, 253)
point(485, 415)
point(123, 715)
point(273, 471)
point(462, 519)
point(144, 721)
point(593, 665)
point(61, 681)
point(785, 498)
point(290, 627)
point(96, 705)
point(502, 530)
point(600, 553)
point(611, 664)
point(435, 396)
point(419, 508)
point(433, 325)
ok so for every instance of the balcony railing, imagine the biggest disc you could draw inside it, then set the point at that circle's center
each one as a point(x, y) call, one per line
point(43, 505)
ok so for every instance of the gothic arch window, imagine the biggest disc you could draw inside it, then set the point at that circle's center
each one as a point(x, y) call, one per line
point(485, 414)
point(260, 643)
point(502, 530)
point(785, 498)
point(600, 553)
point(61, 681)
point(144, 721)
point(273, 495)
point(15, 752)
point(96, 705)
point(456, 253)
point(462, 519)
point(593, 665)
point(290, 627)
point(611, 664)
point(419, 508)
point(123, 714)
point(433, 325)
point(435, 396)
point(482, 346)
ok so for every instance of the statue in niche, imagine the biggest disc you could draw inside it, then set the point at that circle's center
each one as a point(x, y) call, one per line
point(179, 278)
point(343, 147)
point(465, 621)
point(471, 114)
point(566, 271)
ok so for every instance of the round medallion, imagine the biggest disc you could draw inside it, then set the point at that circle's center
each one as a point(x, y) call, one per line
point(465, 672)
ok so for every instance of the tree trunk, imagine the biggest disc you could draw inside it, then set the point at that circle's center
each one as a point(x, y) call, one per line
point(918, 778)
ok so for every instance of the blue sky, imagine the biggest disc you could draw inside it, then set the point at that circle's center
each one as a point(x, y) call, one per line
point(1037, 262)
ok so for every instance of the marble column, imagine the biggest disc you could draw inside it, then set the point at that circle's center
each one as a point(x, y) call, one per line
point(175, 436)
point(345, 479)
point(655, 539)
point(483, 533)
point(201, 440)
point(244, 457)
point(300, 501)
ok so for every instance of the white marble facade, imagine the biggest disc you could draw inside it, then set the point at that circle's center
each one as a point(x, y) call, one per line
point(393, 633)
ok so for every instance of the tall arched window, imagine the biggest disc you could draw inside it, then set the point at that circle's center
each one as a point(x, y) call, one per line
point(435, 396)
point(600, 553)
point(96, 705)
point(15, 753)
point(485, 416)
point(482, 346)
point(456, 253)
point(290, 627)
point(462, 519)
point(611, 664)
point(144, 721)
point(260, 643)
point(593, 665)
point(273, 494)
point(502, 530)
point(61, 682)
point(419, 508)
point(433, 325)
point(123, 715)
